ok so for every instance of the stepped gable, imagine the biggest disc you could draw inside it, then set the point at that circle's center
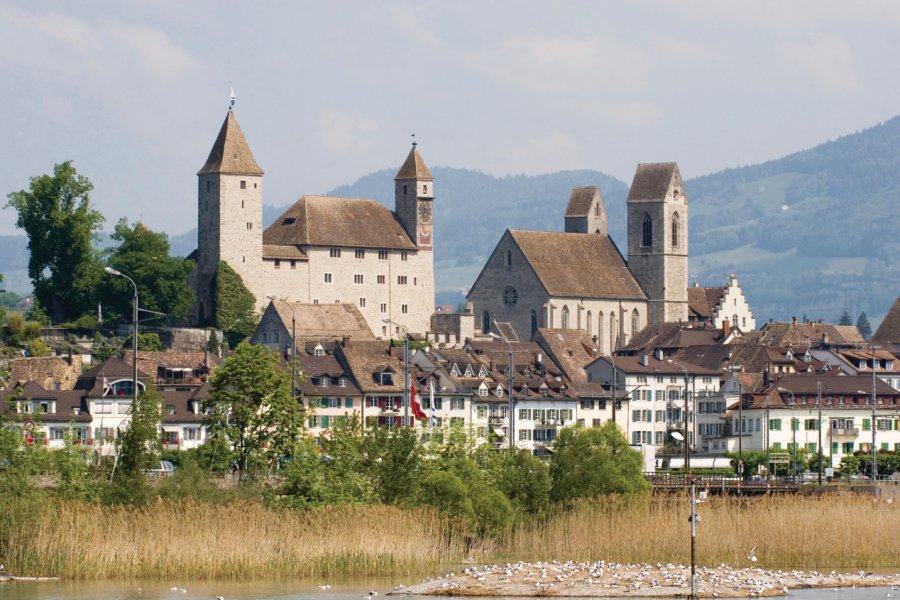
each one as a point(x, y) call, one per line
point(889, 330)
point(338, 222)
point(580, 201)
point(578, 265)
point(651, 181)
point(230, 154)
point(414, 167)
point(702, 301)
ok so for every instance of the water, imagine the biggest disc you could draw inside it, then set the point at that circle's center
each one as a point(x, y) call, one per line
point(297, 590)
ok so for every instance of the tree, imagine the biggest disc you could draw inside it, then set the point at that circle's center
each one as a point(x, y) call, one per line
point(139, 445)
point(862, 324)
point(588, 462)
point(845, 317)
point(161, 279)
point(252, 407)
point(57, 217)
point(234, 305)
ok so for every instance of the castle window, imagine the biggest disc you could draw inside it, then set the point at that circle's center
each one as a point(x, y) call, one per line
point(335, 253)
point(635, 322)
point(289, 221)
point(362, 302)
point(403, 255)
point(404, 189)
point(243, 184)
point(485, 322)
point(565, 317)
point(382, 255)
point(242, 204)
point(293, 264)
point(327, 277)
point(647, 239)
point(534, 323)
point(207, 186)
point(277, 264)
point(358, 279)
point(382, 279)
point(249, 225)
point(360, 253)
point(425, 189)
point(597, 210)
point(401, 279)
point(383, 307)
point(509, 258)
point(404, 308)
point(675, 233)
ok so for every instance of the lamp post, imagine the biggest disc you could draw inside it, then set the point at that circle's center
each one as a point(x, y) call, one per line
point(793, 436)
point(293, 346)
point(134, 339)
point(687, 451)
point(405, 369)
point(511, 431)
point(740, 428)
point(874, 423)
point(819, 403)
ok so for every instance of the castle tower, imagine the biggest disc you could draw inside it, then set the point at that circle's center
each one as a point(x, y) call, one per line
point(230, 224)
point(586, 212)
point(414, 199)
point(658, 240)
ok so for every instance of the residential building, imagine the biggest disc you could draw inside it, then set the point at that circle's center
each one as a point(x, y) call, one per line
point(720, 305)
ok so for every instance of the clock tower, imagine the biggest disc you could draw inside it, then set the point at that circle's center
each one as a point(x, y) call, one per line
point(414, 200)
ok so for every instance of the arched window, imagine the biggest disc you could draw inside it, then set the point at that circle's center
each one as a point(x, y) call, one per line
point(675, 233)
point(565, 317)
point(647, 239)
point(588, 323)
point(612, 332)
point(635, 322)
point(485, 322)
point(600, 329)
point(534, 323)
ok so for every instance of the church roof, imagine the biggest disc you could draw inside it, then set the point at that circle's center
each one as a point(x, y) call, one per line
point(414, 167)
point(230, 153)
point(889, 330)
point(329, 221)
point(651, 181)
point(580, 201)
point(578, 264)
point(702, 301)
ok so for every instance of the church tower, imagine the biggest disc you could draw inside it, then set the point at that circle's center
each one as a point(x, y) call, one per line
point(586, 212)
point(229, 196)
point(658, 240)
point(414, 199)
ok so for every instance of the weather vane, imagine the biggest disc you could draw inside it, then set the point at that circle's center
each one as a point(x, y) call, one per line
point(230, 106)
point(414, 140)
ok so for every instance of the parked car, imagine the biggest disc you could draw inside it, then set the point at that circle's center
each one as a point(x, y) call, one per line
point(164, 469)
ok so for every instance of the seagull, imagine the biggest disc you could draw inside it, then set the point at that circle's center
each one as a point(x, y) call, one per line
point(325, 586)
point(220, 597)
point(751, 556)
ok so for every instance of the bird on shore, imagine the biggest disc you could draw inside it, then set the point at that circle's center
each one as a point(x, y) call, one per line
point(325, 586)
point(751, 556)
point(220, 597)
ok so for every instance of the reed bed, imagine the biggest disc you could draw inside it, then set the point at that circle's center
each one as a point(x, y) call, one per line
point(789, 531)
point(192, 540)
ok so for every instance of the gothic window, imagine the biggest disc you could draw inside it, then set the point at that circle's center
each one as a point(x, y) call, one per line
point(600, 329)
point(534, 323)
point(612, 332)
point(597, 210)
point(485, 322)
point(675, 233)
point(565, 317)
point(588, 322)
point(647, 239)
point(635, 322)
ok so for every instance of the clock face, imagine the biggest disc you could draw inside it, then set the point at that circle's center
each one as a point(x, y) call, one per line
point(510, 296)
point(425, 212)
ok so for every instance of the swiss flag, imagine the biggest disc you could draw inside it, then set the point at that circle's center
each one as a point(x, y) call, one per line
point(417, 411)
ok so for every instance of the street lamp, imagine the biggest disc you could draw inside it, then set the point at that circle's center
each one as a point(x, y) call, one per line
point(874, 424)
point(793, 435)
point(819, 403)
point(293, 346)
point(687, 451)
point(405, 369)
point(511, 428)
point(733, 369)
point(134, 339)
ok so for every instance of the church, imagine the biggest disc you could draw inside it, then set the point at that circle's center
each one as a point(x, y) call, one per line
point(321, 250)
point(579, 279)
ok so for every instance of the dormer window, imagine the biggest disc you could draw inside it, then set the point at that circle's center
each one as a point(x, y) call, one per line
point(319, 350)
point(455, 370)
point(342, 382)
point(469, 371)
point(386, 378)
point(324, 381)
point(170, 409)
point(789, 355)
point(482, 372)
point(499, 391)
point(483, 390)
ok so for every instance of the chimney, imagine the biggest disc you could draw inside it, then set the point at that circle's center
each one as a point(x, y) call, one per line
point(726, 327)
point(540, 358)
point(659, 354)
point(470, 307)
point(793, 320)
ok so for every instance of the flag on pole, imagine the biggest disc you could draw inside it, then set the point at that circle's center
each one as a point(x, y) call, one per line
point(418, 413)
point(106, 387)
point(232, 98)
point(431, 397)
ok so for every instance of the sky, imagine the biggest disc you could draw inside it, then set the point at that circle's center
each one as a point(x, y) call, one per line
point(327, 92)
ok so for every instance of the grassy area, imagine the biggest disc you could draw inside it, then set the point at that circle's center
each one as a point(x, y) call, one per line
point(192, 540)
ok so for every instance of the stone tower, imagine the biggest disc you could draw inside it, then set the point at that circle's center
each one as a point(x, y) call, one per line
point(229, 228)
point(658, 240)
point(586, 212)
point(414, 199)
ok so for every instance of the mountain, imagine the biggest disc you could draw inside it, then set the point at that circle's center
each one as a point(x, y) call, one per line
point(806, 233)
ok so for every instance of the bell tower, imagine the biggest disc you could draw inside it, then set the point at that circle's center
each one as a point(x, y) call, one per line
point(658, 240)
point(414, 199)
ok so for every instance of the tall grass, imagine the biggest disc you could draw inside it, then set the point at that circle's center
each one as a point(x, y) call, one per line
point(248, 541)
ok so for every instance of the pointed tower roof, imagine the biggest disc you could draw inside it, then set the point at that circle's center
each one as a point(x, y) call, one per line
point(652, 180)
point(231, 154)
point(414, 167)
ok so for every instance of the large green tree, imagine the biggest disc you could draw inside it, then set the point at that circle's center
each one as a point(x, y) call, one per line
point(252, 407)
point(139, 445)
point(60, 223)
point(161, 279)
point(588, 462)
point(234, 305)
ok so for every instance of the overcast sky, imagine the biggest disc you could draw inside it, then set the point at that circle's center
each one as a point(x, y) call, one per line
point(135, 92)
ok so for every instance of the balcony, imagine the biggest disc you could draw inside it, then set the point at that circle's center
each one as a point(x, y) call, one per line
point(845, 432)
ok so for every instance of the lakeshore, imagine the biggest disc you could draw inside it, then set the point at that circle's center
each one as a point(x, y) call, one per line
point(613, 580)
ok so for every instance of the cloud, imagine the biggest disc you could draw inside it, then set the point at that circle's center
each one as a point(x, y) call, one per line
point(408, 20)
point(347, 133)
point(543, 153)
point(157, 53)
point(565, 64)
point(826, 59)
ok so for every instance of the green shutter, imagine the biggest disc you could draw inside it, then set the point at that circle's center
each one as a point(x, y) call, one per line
point(348, 402)
point(326, 421)
point(867, 425)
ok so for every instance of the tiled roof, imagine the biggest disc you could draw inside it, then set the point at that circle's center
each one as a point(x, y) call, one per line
point(414, 167)
point(670, 335)
point(702, 301)
point(66, 402)
point(580, 201)
point(571, 349)
point(230, 153)
point(330, 221)
point(578, 265)
point(635, 364)
point(364, 359)
point(112, 368)
point(889, 330)
point(284, 252)
point(322, 321)
point(651, 181)
point(805, 334)
point(47, 371)
point(180, 401)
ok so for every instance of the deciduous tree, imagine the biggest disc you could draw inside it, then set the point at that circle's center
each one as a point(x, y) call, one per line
point(234, 305)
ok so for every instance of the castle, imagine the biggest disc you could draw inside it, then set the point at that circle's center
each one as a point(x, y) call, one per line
point(320, 250)
point(578, 279)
